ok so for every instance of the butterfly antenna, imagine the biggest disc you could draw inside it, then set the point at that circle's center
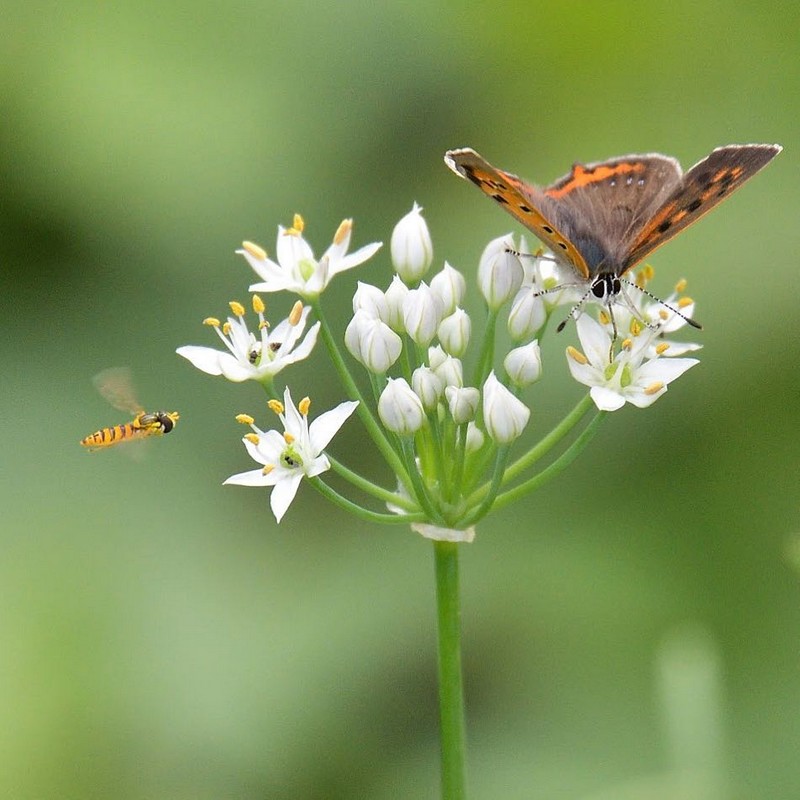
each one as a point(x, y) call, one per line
point(658, 300)
point(573, 312)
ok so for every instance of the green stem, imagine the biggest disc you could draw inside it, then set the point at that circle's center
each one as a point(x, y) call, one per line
point(550, 472)
point(366, 485)
point(359, 511)
point(451, 692)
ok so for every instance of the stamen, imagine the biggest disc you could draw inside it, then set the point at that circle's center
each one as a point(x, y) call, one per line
point(276, 406)
point(664, 314)
point(647, 272)
point(245, 419)
point(662, 348)
point(288, 438)
point(636, 327)
point(297, 226)
point(343, 231)
point(685, 301)
point(296, 313)
point(251, 437)
point(212, 322)
point(654, 388)
point(304, 405)
point(627, 344)
point(576, 355)
point(680, 286)
point(237, 308)
point(267, 469)
point(604, 318)
point(226, 328)
point(254, 250)
point(258, 304)
point(263, 324)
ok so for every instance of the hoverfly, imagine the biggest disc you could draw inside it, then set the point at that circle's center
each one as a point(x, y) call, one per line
point(116, 386)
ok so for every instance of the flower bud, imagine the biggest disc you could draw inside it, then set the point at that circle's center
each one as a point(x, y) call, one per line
point(428, 386)
point(524, 364)
point(422, 313)
point(370, 299)
point(451, 287)
point(412, 248)
point(399, 408)
point(504, 415)
point(372, 342)
point(448, 368)
point(454, 332)
point(462, 402)
point(527, 314)
point(394, 296)
point(499, 272)
point(475, 438)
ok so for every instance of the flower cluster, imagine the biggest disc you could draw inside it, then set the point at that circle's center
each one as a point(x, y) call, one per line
point(443, 422)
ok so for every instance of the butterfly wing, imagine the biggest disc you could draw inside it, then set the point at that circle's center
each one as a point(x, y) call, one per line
point(704, 186)
point(521, 200)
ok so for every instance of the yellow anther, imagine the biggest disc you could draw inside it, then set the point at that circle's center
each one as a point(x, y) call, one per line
point(245, 419)
point(647, 272)
point(258, 304)
point(288, 438)
point(212, 321)
point(604, 318)
point(664, 314)
point(539, 252)
point(627, 344)
point(576, 355)
point(296, 313)
point(267, 469)
point(276, 406)
point(636, 327)
point(263, 324)
point(251, 437)
point(226, 328)
point(343, 231)
point(237, 308)
point(680, 286)
point(662, 348)
point(654, 388)
point(254, 250)
point(298, 224)
point(304, 405)
point(685, 301)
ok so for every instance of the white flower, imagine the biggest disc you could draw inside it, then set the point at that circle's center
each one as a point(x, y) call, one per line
point(500, 273)
point(448, 368)
point(451, 287)
point(296, 453)
point(297, 270)
point(372, 342)
point(462, 402)
point(454, 332)
point(631, 377)
point(395, 295)
point(475, 438)
point(412, 248)
point(256, 356)
point(399, 408)
point(524, 364)
point(422, 313)
point(370, 299)
point(428, 386)
point(504, 415)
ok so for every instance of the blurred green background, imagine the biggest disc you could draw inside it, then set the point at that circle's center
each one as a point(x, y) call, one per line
point(629, 632)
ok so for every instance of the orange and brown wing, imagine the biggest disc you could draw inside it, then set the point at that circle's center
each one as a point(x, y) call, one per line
point(704, 186)
point(518, 199)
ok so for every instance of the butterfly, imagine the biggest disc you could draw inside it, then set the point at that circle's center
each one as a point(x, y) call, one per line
point(603, 218)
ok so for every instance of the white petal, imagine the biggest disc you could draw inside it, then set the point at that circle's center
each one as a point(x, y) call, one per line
point(234, 370)
point(266, 268)
point(606, 399)
point(205, 359)
point(317, 466)
point(326, 425)
point(292, 249)
point(255, 477)
point(595, 341)
point(282, 495)
point(354, 259)
point(663, 369)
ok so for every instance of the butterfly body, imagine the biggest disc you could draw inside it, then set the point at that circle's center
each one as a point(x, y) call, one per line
point(603, 218)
